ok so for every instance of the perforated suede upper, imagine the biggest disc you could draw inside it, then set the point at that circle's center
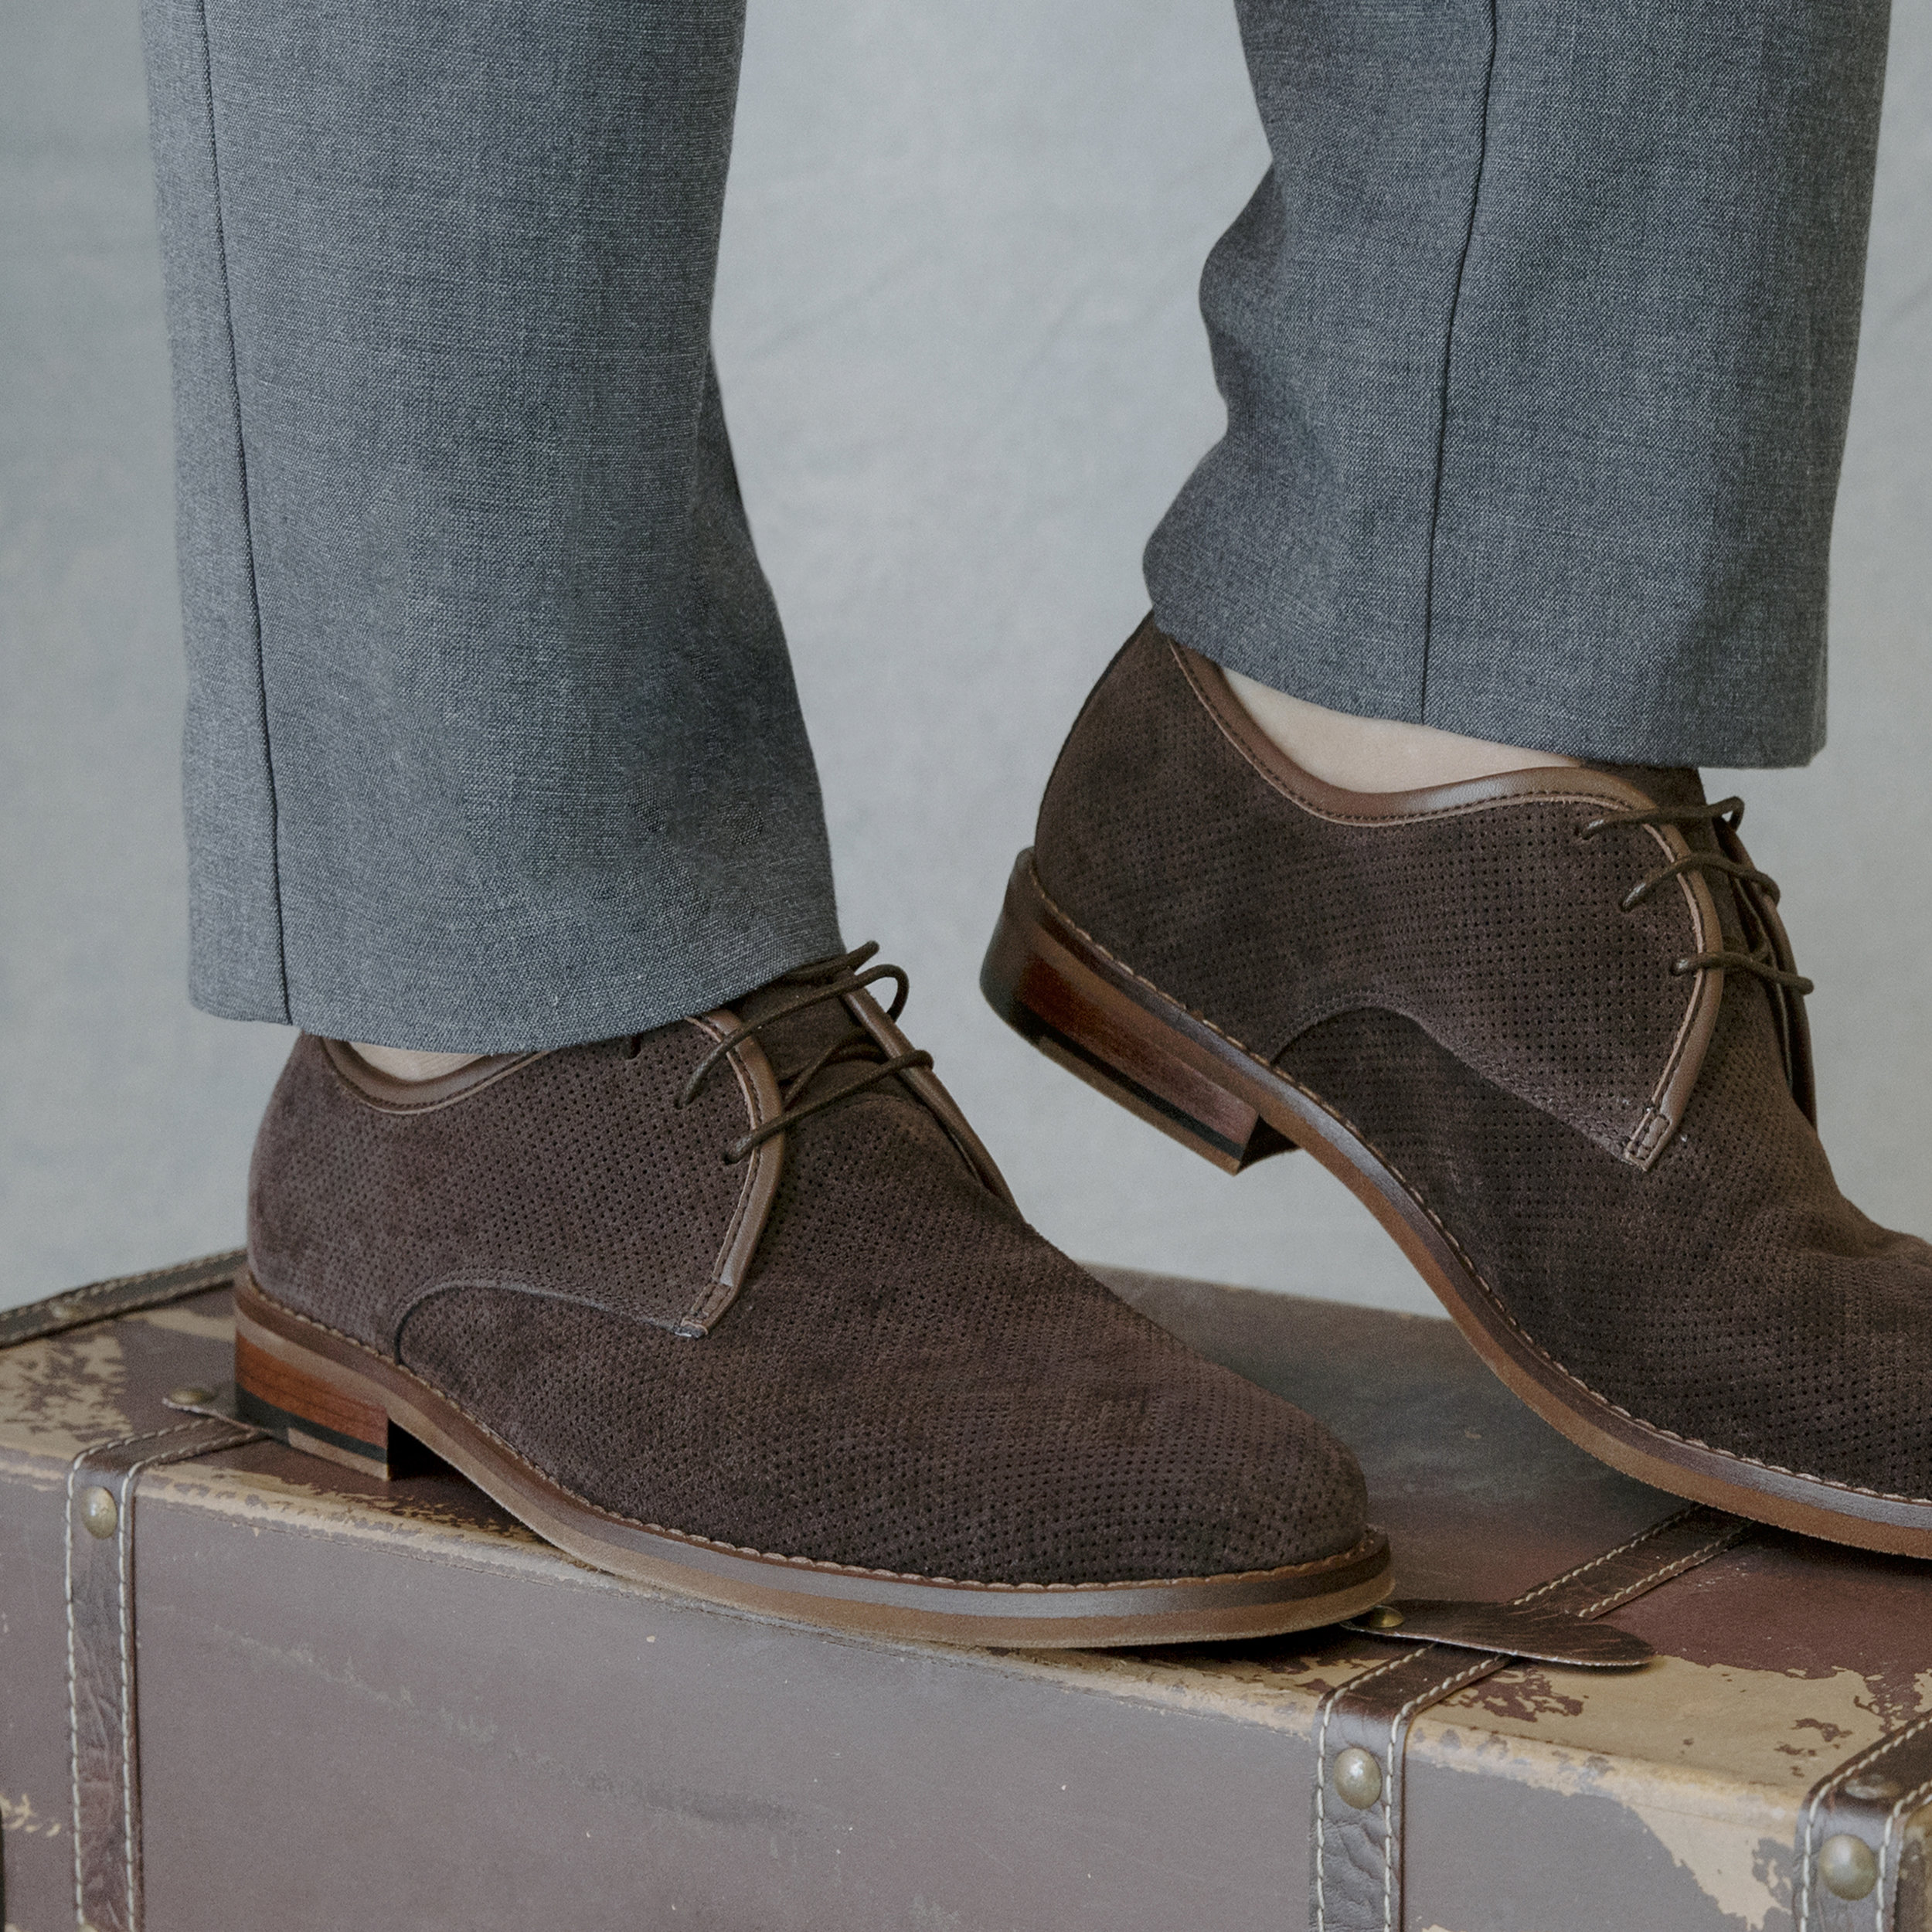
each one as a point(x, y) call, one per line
point(1498, 931)
point(910, 1380)
point(1416, 980)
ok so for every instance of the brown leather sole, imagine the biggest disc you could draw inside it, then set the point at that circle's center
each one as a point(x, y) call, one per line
point(321, 1391)
point(1063, 990)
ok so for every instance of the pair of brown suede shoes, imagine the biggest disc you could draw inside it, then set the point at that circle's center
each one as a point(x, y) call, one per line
point(741, 1307)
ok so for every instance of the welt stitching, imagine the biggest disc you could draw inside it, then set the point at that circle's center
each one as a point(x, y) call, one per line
point(1462, 1253)
point(248, 523)
point(1448, 364)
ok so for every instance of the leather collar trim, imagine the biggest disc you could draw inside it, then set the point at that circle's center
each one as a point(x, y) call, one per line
point(390, 1096)
point(1583, 784)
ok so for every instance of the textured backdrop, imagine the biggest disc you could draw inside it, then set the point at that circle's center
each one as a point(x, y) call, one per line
point(965, 373)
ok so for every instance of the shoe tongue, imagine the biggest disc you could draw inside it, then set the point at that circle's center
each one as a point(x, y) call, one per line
point(792, 1043)
point(1672, 785)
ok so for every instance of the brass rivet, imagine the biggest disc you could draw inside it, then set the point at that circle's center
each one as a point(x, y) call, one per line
point(1358, 1778)
point(1385, 1616)
point(98, 1515)
point(1847, 1866)
point(194, 1392)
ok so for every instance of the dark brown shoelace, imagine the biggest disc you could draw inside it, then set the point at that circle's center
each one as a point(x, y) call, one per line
point(823, 979)
point(1766, 958)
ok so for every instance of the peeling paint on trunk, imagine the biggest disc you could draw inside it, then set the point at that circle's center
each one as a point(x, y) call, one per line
point(433, 1646)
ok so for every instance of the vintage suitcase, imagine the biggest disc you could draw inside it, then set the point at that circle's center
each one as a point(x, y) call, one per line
point(245, 1690)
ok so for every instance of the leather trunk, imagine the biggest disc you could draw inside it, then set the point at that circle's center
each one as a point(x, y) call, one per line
point(266, 1692)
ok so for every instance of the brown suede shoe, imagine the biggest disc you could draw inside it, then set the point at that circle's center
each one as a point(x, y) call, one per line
point(741, 1308)
point(1546, 1026)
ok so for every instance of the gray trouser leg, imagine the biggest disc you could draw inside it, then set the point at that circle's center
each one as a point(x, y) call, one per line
point(1536, 342)
point(492, 741)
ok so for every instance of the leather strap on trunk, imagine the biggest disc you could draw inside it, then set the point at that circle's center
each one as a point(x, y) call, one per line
point(1860, 1869)
point(100, 1591)
point(101, 1492)
point(101, 1300)
point(1362, 1729)
point(1861, 1866)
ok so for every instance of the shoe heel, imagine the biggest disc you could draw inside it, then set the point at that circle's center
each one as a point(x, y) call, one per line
point(311, 1404)
point(1034, 979)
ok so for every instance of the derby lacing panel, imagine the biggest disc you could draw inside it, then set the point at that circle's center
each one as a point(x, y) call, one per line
point(826, 979)
point(1766, 958)
point(1754, 894)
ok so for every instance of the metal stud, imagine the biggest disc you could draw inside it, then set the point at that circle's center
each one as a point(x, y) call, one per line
point(1847, 1866)
point(192, 1394)
point(1358, 1778)
point(1875, 1789)
point(1385, 1616)
point(98, 1515)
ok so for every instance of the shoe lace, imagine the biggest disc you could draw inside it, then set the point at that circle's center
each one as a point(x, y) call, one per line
point(1766, 959)
point(823, 979)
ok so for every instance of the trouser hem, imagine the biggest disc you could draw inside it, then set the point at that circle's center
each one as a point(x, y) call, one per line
point(563, 1006)
point(1544, 709)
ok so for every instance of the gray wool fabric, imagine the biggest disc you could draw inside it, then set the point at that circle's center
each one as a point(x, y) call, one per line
point(1536, 342)
point(492, 739)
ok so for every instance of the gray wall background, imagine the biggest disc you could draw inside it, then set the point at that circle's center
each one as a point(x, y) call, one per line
point(965, 373)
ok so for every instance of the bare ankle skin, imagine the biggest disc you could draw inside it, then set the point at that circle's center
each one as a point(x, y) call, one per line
point(401, 1063)
point(1376, 754)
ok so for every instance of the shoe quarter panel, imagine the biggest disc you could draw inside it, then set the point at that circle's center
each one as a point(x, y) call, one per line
point(575, 1175)
point(1494, 925)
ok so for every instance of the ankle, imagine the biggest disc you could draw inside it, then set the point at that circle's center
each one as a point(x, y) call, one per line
point(1376, 754)
point(403, 1063)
